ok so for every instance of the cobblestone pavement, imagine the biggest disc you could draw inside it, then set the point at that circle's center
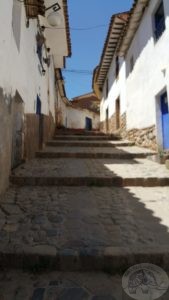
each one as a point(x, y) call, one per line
point(132, 168)
point(49, 219)
point(60, 286)
point(81, 228)
point(63, 286)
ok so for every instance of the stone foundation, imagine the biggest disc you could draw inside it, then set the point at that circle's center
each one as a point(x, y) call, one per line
point(38, 130)
point(122, 130)
point(112, 125)
point(19, 140)
point(145, 137)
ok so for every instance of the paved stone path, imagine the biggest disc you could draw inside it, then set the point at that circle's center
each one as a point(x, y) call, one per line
point(17, 285)
point(60, 286)
point(92, 168)
point(59, 218)
point(91, 172)
point(81, 228)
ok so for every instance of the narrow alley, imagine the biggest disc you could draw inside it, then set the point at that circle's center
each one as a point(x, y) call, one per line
point(70, 210)
point(84, 150)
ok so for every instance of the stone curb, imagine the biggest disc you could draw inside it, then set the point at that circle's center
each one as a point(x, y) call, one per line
point(87, 144)
point(110, 260)
point(48, 154)
point(89, 181)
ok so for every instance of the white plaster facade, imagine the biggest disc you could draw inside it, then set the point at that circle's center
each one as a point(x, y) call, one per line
point(20, 67)
point(139, 88)
point(76, 118)
point(21, 80)
point(150, 75)
point(116, 89)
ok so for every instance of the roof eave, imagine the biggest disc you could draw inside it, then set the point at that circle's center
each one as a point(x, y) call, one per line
point(110, 45)
point(132, 25)
point(65, 9)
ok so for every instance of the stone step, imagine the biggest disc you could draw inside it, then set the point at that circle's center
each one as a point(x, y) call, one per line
point(83, 229)
point(88, 143)
point(46, 154)
point(91, 172)
point(95, 152)
point(116, 181)
point(112, 260)
point(86, 138)
point(79, 132)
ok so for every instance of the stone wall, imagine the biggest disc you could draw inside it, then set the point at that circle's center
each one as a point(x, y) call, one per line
point(112, 125)
point(123, 125)
point(145, 137)
point(36, 131)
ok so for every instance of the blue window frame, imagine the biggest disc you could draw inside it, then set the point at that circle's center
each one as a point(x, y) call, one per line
point(38, 105)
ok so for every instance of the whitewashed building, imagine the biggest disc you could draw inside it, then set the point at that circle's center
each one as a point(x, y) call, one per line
point(83, 112)
point(111, 77)
point(134, 75)
point(31, 48)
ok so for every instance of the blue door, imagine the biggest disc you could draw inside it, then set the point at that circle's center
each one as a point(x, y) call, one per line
point(88, 124)
point(165, 120)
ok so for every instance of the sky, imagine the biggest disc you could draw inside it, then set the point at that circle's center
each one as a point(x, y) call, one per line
point(87, 45)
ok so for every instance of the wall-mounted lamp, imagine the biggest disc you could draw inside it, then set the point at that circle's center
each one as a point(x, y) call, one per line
point(54, 18)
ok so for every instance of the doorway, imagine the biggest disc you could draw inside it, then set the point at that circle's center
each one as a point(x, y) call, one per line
point(88, 125)
point(117, 113)
point(107, 120)
point(165, 120)
point(17, 130)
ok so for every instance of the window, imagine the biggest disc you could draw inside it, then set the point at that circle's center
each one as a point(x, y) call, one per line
point(117, 66)
point(16, 21)
point(159, 21)
point(131, 63)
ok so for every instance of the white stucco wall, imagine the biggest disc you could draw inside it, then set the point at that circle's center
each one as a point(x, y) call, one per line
point(117, 89)
point(61, 111)
point(19, 68)
point(147, 80)
point(76, 118)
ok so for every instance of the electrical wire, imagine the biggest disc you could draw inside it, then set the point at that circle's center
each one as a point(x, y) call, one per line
point(78, 28)
point(79, 72)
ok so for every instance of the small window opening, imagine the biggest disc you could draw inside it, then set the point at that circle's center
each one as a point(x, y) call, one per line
point(159, 21)
point(131, 63)
point(117, 66)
